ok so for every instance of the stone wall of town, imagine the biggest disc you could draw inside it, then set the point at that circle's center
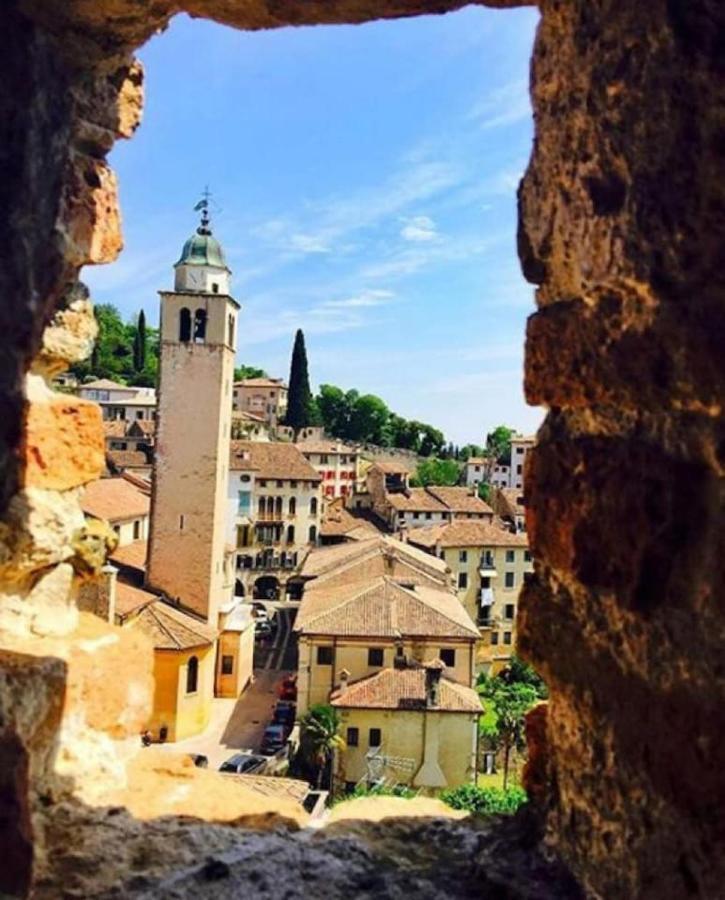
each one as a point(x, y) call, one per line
point(621, 227)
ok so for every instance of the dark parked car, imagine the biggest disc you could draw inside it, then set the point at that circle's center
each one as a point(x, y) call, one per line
point(284, 713)
point(262, 629)
point(199, 760)
point(243, 764)
point(275, 737)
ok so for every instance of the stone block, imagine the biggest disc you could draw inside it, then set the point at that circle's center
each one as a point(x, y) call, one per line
point(63, 445)
point(91, 215)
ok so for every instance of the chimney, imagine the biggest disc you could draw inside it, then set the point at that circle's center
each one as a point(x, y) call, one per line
point(433, 672)
point(109, 574)
point(344, 677)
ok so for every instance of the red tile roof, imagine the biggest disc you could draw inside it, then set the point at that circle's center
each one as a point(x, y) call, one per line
point(114, 499)
point(467, 533)
point(405, 689)
point(172, 629)
point(271, 460)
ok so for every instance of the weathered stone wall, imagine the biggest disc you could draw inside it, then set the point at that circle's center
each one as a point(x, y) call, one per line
point(622, 228)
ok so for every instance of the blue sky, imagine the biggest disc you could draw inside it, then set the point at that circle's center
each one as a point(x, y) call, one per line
point(365, 182)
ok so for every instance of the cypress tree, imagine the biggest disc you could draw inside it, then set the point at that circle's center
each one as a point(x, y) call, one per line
point(139, 343)
point(299, 398)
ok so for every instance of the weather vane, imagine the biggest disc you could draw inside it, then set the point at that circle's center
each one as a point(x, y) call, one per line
point(203, 206)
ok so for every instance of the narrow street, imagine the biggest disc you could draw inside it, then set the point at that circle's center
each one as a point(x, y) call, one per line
point(239, 724)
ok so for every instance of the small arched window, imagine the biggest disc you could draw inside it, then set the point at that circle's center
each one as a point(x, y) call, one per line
point(184, 324)
point(313, 534)
point(230, 329)
point(292, 505)
point(290, 534)
point(262, 506)
point(192, 675)
point(200, 326)
point(278, 507)
point(313, 506)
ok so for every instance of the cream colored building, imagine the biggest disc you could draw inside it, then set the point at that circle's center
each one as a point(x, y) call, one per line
point(122, 503)
point(408, 725)
point(120, 401)
point(336, 464)
point(520, 449)
point(490, 564)
point(262, 397)
point(402, 507)
point(373, 605)
point(274, 511)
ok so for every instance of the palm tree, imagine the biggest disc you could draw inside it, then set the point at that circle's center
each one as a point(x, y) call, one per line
point(320, 737)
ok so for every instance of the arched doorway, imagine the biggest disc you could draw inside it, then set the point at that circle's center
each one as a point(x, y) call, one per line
point(239, 589)
point(266, 587)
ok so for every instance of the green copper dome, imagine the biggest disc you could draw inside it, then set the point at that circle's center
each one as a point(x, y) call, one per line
point(202, 249)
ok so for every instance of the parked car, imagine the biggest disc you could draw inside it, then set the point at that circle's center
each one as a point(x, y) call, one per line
point(199, 760)
point(274, 739)
point(284, 713)
point(262, 629)
point(244, 764)
point(287, 689)
point(262, 611)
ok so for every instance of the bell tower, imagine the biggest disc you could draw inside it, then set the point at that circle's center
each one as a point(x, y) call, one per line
point(196, 373)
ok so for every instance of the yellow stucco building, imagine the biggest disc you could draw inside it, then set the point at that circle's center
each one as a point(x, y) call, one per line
point(489, 563)
point(409, 725)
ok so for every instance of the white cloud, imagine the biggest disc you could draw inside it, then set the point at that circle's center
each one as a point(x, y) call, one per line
point(504, 105)
point(364, 299)
point(419, 228)
point(309, 243)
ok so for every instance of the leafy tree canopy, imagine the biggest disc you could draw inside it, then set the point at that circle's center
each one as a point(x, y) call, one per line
point(127, 352)
point(436, 472)
point(498, 443)
point(484, 801)
point(242, 372)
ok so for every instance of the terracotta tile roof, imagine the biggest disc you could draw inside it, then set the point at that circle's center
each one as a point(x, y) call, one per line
point(383, 607)
point(476, 461)
point(141, 482)
point(261, 382)
point(467, 533)
point(416, 500)
point(132, 555)
point(114, 499)
point(331, 447)
point(115, 428)
point(510, 501)
point(376, 555)
point(172, 629)
point(404, 689)
point(271, 460)
point(248, 416)
point(339, 521)
point(105, 384)
point(130, 598)
point(142, 428)
point(124, 459)
point(460, 499)
point(393, 468)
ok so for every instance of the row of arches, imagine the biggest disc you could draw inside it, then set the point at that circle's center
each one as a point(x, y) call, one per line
point(185, 326)
point(268, 507)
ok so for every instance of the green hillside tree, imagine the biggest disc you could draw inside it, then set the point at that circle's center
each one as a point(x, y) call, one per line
point(300, 407)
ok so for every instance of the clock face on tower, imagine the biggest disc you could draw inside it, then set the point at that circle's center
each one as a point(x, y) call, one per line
point(194, 279)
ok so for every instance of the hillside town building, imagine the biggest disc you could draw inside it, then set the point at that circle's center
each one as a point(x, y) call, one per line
point(123, 503)
point(520, 448)
point(274, 511)
point(400, 506)
point(265, 398)
point(490, 565)
point(120, 401)
point(336, 463)
point(383, 637)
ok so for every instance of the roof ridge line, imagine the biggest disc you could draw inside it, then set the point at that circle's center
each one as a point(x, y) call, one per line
point(411, 593)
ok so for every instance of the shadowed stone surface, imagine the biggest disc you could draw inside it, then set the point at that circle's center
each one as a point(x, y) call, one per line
point(622, 227)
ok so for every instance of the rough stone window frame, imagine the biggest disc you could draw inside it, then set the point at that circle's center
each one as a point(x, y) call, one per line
point(620, 229)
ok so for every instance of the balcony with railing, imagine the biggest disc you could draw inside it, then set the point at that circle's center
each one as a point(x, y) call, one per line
point(487, 566)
